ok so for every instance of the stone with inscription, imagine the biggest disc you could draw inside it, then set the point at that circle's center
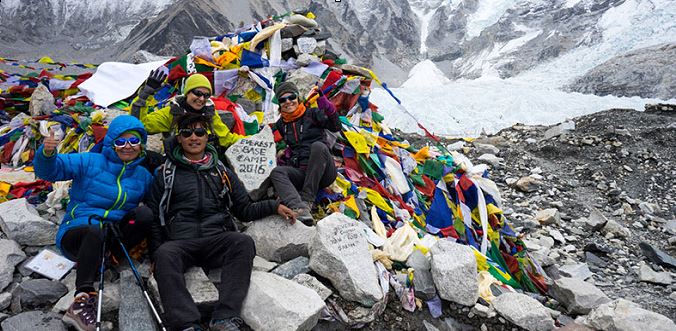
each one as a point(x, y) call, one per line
point(339, 252)
point(277, 240)
point(253, 158)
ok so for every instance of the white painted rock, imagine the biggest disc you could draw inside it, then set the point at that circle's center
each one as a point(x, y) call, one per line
point(279, 304)
point(253, 158)
point(339, 251)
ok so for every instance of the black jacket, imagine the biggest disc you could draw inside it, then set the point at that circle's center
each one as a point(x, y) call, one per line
point(196, 208)
point(301, 133)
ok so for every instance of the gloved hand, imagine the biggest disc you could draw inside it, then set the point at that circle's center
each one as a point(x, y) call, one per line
point(155, 80)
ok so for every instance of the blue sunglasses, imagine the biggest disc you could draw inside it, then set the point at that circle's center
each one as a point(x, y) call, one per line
point(121, 142)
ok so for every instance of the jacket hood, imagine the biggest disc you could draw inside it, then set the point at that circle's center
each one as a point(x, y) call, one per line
point(118, 126)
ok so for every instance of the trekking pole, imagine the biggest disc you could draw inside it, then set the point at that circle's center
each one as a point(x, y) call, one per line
point(139, 281)
point(102, 268)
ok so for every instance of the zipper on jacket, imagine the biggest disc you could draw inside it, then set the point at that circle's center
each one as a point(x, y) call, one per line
point(119, 191)
point(199, 200)
point(295, 133)
point(72, 213)
point(123, 200)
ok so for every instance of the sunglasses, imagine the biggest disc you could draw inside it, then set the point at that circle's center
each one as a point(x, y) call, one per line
point(186, 133)
point(121, 142)
point(290, 97)
point(199, 94)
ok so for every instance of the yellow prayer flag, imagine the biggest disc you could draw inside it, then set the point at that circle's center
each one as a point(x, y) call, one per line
point(46, 60)
point(357, 141)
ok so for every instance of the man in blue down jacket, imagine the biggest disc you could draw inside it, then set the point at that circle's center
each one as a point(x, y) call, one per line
point(108, 185)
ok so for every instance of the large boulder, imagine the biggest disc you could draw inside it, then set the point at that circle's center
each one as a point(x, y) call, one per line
point(524, 311)
point(624, 315)
point(339, 251)
point(577, 295)
point(313, 284)
point(277, 240)
point(454, 271)
point(134, 313)
point(10, 255)
point(22, 223)
point(33, 321)
point(42, 101)
point(38, 292)
point(276, 303)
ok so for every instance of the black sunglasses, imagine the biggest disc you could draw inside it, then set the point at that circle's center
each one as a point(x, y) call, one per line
point(186, 133)
point(199, 94)
point(289, 97)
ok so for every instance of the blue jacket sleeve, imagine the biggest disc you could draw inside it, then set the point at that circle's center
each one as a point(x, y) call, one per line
point(60, 167)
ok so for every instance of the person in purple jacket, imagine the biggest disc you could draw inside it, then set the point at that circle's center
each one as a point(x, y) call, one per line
point(310, 166)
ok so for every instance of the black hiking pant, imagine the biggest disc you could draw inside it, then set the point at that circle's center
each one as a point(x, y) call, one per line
point(233, 252)
point(83, 244)
point(320, 173)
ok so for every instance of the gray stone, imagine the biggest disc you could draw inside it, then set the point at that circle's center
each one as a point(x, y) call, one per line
point(670, 227)
point(524, 311)
point(456, 146)
point(294, 267)
point(486, 149)
point(277, 240)
point(21, 222)
point(491, 159)
point(339, 252)
point(314, 284)
point(202, 290)
point(33, 321)
point(454, 270)
point(5, 300)
point(548, 216)
point(577, 295)
point(657, 256)
point(616, 229)
point(42, 101)
point(261, 264)
point(253, 158)
point(10, 255)
point(423, 282)
point(596, 220)
point(276, 303)
point(624, 315)
point(39, 292)
point(579, 270)
point(556, 234)
point(647, 274)
point(560, 129)
point(134, 313)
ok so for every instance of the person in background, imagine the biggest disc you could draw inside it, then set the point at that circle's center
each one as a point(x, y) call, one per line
point(106, 186)
point(310, 166)
point(196, 98)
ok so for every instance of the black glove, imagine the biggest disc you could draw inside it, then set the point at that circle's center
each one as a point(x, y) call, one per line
point(155, 79)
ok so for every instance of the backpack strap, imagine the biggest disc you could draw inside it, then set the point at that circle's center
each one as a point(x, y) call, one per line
point(168, 172)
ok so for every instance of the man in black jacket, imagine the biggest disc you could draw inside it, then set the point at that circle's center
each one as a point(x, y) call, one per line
point(192, 198)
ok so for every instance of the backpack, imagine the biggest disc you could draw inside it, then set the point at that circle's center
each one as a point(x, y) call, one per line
point(168, 174)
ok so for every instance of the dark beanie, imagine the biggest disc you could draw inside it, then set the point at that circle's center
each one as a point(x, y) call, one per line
point(286, 87)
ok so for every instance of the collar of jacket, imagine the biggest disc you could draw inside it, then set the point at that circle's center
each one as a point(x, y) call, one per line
point(179, 106)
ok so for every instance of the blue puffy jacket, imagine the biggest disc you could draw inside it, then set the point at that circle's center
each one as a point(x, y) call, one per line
point(102, 185)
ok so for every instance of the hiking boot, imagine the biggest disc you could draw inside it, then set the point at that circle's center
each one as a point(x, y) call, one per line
point(82, 313)
point(305, 217)
point(228, 324)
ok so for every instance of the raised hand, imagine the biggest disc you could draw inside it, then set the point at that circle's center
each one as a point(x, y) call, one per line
point(50, 143)
point(156, 78)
